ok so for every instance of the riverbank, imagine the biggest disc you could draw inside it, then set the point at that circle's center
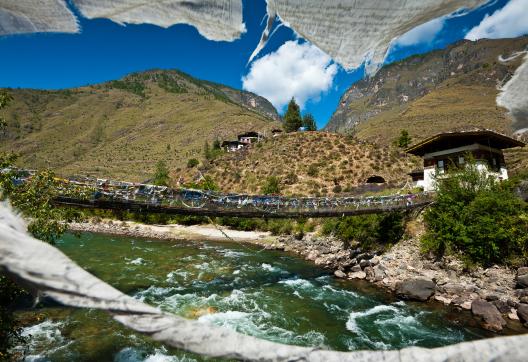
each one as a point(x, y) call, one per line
point(490, 293)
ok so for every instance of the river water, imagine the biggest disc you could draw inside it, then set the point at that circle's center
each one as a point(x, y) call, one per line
point(268, 294)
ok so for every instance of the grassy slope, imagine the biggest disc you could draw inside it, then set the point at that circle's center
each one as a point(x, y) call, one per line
point(111, 131)
point(337, 159)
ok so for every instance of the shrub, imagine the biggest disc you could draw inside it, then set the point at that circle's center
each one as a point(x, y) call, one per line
point(271, 186)
point(478, 218)
point(312, 170)
point(193, 162)
point(368, 230)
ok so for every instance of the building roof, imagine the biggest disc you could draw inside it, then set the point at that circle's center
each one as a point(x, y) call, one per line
point(447, 140)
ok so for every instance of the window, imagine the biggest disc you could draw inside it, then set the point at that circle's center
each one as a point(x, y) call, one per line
point(440, 165)
point(461, 160)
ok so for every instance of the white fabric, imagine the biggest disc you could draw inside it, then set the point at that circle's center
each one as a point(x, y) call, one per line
point(44, 269)
point(33, 16)
point(214, 19)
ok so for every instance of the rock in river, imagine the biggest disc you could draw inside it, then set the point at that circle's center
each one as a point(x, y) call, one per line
point(417, 289)
point(490, 317)
point(522, 312)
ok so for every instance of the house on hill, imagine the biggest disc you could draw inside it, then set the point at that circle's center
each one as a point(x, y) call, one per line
point(450, 149)
point(232, 146)
point(250, 137)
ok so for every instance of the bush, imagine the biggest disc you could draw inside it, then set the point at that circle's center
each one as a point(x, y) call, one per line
point(271, 186)
point(312, 170)
point(478, 218)
point(368, 230)
point(193, 162)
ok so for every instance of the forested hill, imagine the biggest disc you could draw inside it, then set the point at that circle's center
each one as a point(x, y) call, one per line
point(429, 93)
point(121, 128)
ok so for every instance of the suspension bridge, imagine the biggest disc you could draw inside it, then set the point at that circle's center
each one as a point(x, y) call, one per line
point(144, 198)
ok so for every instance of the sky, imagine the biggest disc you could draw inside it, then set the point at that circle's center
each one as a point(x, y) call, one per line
point(287, 67)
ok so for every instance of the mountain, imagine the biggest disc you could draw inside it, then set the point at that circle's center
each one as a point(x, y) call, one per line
point(425, 94)
point(310, 163)
point(121, 128)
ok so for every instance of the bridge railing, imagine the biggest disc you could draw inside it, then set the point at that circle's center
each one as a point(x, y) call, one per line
point(208, 202)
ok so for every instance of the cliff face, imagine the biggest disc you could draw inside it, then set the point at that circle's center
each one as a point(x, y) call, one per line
point(121, 128)
point(445, 89)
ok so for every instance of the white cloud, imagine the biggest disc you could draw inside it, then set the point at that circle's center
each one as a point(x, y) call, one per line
point(295, 70)
point(509, 22)
point(424, 33)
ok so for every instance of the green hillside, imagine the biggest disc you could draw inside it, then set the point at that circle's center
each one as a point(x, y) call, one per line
point(120, 129)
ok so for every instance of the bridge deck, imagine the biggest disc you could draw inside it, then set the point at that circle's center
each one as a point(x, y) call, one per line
point(249, 211)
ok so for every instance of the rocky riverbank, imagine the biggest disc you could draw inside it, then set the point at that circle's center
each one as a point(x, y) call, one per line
point(493, 295)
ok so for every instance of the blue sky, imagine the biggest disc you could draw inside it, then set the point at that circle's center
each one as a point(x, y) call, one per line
point(105, 50)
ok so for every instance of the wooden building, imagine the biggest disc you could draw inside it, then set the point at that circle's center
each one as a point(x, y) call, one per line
point(450, 149)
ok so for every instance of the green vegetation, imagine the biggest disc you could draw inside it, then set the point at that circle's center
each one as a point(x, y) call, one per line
point(271, 186)
point(292, 118)
point(193, 162)
point(369, 230)
point(308, 122)
point(34, 200)
point(161, 177)
point(210, 153)
point(404, 140)
point(477, 218)
point(170, 84)
point(134, 86)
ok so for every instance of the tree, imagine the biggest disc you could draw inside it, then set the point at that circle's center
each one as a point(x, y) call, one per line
point(5, 99)
point(476, 217)
point(217, 145)
point(292, 118)
point(161, 177)
point(308, 122)
point(404, 140)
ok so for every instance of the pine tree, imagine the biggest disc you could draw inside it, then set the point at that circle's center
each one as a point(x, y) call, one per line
point(308, 122)
point(404, 140)
point(292, 118)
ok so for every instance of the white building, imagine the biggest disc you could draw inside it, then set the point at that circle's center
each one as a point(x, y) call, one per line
point(451, 149)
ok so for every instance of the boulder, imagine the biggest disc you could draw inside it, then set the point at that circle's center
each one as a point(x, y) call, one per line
point(357, 275)
point(379, 273)
point(340, 274)
point(364, 263)
point(416, 289)
point(489, 315)
point(355, 268)
point(522, 271)
point(524, 299)
point(522, 313)
point(502, 306)
point(522, 281)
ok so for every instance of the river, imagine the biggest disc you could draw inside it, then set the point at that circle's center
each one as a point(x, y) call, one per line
point(268, 294)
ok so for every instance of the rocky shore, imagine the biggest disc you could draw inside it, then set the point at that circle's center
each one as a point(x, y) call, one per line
point(493, 294)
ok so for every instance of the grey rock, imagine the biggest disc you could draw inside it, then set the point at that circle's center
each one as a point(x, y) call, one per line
point(502, 306)
point(357, 275)
point(492, 297)
point(488, 314)
point(522, 271)
point(379, 273)
point(524, 299)
point(355, 268)
point(339, 274)
point(522, 312)
point(364, 263)
point(522, 281)
point(521, 292)
point(416, 289)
